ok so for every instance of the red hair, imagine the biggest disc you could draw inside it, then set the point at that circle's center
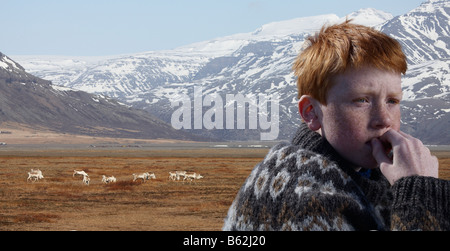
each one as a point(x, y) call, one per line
point(340, 47)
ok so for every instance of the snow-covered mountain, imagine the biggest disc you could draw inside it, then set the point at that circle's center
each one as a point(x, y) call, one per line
point(126, 75)
point(260, 63)
point(424, 32)
point(33, 102)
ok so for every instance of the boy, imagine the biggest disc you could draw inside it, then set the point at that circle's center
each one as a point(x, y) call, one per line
point(349, 167)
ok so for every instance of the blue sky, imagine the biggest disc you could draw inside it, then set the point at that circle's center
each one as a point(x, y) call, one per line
point(112, 27)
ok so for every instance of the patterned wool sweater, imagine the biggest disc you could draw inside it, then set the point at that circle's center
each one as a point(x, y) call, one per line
point(306, 185)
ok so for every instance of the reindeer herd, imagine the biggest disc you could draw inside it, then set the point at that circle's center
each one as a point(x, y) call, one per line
point(36, 175)
point(178, 174)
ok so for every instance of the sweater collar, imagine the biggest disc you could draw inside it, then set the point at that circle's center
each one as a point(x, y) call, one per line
point(372, 183)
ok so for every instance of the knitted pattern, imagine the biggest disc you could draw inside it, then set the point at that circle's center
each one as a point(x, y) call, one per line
point(306, 185)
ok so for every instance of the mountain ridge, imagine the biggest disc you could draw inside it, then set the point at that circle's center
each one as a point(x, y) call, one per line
point(260, 62)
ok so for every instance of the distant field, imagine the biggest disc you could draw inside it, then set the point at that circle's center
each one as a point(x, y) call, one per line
point(62, 202)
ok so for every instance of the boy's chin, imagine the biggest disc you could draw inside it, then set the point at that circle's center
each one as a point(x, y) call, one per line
point(363, 158)
point(368, 161)
point(369, 164)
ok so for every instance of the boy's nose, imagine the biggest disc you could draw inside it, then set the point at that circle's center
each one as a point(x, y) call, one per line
point(381, 118)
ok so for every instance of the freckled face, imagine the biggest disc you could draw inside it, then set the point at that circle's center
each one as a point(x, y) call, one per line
point(363, 104)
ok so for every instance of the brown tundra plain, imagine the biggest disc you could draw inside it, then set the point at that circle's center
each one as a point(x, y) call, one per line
point(60, 201)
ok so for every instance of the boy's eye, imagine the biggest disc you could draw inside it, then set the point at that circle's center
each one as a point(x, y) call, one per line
point(394, 101)
point(361, 100)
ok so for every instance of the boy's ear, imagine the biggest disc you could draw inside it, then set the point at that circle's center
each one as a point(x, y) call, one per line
point(308, 108)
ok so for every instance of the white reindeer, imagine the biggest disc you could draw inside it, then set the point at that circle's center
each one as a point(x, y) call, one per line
point(35, 175)
point(180, 173)
point(151, 176)
point(83, 173)
point(37, 171)
point(172, 176)
point(143, 176)
point(32, 176)
point(192, 176)
point(107, 180)
point(86, 178)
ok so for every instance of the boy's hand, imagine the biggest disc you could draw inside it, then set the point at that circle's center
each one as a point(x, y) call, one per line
point(410, 157)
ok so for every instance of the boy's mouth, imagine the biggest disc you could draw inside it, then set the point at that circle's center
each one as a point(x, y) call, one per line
point(386, 146)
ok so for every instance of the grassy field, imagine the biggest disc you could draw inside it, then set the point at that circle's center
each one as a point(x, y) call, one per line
point(62, 202)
